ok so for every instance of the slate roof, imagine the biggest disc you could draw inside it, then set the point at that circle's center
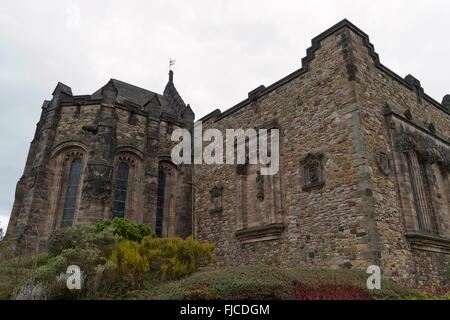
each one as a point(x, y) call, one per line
point(134, 94)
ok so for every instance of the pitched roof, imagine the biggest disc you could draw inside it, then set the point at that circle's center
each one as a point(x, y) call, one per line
point(134, 94)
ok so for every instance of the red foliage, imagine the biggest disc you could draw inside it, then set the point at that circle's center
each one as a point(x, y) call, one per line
point(441, 292)
point(330, 292)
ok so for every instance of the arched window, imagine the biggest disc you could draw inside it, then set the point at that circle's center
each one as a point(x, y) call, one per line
point(70, 200)
point(160, 203)
point(120, 196)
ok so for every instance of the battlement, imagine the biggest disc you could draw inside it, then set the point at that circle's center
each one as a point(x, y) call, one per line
point(338, 29)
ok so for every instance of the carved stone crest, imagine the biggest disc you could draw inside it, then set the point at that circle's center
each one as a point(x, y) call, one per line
point(313, 177)
point(259, 186)
point(216, 191)
point(216, 199)
point(383, 162)
point(98, 181)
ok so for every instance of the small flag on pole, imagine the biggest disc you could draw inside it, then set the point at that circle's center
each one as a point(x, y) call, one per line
point(172, 62)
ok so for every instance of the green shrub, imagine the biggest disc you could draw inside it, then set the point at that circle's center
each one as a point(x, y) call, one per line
point(82, 237)
point(53, 267)
point(125, 229)
point(173, 258)
point(158, 258)
point(131, 265)
point(103, 236)
point(51, 276)
point(114, 257)
point(15, 270)
point(88, 247)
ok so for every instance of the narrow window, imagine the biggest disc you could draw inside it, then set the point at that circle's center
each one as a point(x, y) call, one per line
point(415, 192)
point(77, 112)
point(160, 203)
point(313, 172)
point(426, 176)
point(132, 118)
point(72, 192)
point(120, 196)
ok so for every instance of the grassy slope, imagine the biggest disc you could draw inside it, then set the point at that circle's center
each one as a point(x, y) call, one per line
point(270, 283)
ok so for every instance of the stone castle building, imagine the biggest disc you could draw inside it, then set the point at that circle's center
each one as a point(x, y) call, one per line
point(104, 155)
point(363, 179)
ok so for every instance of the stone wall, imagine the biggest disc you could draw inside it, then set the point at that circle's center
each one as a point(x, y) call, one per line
point(389, 105)
point(324, 226)
point(341, 107)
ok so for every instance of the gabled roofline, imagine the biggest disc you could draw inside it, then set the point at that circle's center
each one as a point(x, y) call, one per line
point(306, 61)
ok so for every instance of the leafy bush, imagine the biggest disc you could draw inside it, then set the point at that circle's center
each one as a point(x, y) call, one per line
point(103, 236)
point(15, 270)
point(87, 246)
point(114, 257)
point(173, 258)
point(82, 237)
point(129, 261)
point(50, 278)
point(159, 258)
point(125, 229)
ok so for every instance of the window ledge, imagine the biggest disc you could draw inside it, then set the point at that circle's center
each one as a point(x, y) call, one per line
point(426, 242)
point(258, 234)
point(312, 186)
point(215, 211)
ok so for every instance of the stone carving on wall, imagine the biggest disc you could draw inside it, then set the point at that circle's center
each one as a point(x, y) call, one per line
point(216, 199)
point(98, 181)
point(426, 147)
point(383, 162)
point(91, 128)
point(432, 128)
point(33, 177)
point(313, 176)
point(408, 114)
point(259, 186)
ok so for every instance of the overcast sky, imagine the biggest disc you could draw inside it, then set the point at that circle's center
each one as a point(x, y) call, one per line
point(224, 49)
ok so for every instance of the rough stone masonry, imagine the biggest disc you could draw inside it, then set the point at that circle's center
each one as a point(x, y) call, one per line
point(363, 179)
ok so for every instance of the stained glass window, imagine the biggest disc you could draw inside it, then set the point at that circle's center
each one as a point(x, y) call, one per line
point(71, 193)
point(160, 203)
point(120, 196)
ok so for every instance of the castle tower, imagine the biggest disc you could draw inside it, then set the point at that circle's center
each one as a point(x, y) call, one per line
point(104, 155)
